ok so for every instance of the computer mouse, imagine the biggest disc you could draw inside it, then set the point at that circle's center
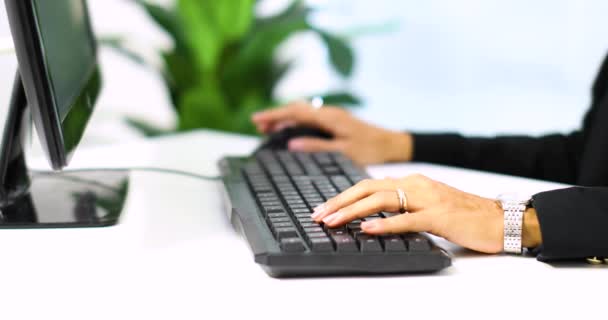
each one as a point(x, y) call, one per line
point(280, 139)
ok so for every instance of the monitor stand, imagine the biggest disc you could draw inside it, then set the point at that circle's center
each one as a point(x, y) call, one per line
point(31, 199)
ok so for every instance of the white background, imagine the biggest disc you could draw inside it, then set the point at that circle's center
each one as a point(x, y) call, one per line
point(479, 67)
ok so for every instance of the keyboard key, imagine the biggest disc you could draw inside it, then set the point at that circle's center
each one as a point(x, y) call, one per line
point(417, 242)
point(271, 203)
point(321, 245)
point(341, 182)
point(317, 235)
point(302, 221)
point(303, 215)
point(337, 230)
point(282, 225)
point(354, 226)
point(298, 206)
point(315, 198)
point(393, 243)
point(309, 225)
point(277, 215)
point(274, 209)
point(313, 229)
point(323, 158)
point(289, 232)
point(369, 244)
point(295, 201)
point(345, 243)
point(331, 170)
point(292, 245)
point(279, 220)
point(302, 211)
point(267, 196)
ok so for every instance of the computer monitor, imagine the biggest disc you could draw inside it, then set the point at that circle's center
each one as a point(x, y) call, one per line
point(58, 83)
point(57, 58)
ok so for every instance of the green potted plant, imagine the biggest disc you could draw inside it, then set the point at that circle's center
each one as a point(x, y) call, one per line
point(223, 67)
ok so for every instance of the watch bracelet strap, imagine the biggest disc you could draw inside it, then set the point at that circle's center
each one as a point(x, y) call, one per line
point(513, 224)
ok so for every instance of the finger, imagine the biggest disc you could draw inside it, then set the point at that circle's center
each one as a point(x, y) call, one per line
point(298, 113)
point(379, 201)
point(408, 222)
point(262, 127)
point(281, 125)
point(313, 145)
point(359, 191)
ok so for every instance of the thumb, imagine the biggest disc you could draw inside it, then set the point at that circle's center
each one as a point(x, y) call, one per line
point(313, 145)
point(407, 222)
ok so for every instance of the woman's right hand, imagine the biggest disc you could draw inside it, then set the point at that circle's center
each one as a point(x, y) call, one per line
point(363, 143)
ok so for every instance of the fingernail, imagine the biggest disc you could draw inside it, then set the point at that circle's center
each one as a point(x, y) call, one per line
point(318, 211)
point(332, 217)
point(369, 226)
point(295, 145)
point(319, 208)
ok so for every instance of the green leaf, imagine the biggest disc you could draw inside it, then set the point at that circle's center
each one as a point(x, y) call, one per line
point(340, 53)
point(146, 129)
point(202, 33)
point(295, 11)
point(178, 74)
point(268, 33)
point(341, 99)
point(234, 17)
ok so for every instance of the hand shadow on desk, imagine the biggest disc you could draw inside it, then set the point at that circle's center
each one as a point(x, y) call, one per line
point(576, 265)
point(458, 252)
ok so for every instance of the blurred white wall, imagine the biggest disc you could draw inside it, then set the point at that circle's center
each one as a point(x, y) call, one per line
point(476, 66)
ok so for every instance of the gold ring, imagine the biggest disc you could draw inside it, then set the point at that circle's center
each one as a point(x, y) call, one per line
point(402, 201)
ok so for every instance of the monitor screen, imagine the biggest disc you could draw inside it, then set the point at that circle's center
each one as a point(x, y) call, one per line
point(68, 51)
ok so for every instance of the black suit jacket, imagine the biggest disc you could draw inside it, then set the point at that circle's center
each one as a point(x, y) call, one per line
point(574, 221)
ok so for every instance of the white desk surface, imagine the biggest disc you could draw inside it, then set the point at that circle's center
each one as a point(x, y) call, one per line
point(175, 256)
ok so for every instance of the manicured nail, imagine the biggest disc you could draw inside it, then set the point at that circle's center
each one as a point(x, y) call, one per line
point(320, 208)
point(295, 145)
point(318, 211)
point(332, 217)
point(370, 226)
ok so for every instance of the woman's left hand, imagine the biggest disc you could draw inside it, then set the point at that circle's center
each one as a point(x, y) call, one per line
point(465, 219)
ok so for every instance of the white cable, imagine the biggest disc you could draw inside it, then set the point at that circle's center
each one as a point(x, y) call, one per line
point(137, 169)
point(6, 45)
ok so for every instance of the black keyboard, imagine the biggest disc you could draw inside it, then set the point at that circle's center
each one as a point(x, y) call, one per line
point(271, 196)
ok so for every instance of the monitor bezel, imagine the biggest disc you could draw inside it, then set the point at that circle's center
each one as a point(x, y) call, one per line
point(29, 49)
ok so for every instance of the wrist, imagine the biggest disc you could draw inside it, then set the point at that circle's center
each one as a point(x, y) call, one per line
point(399, 147)
point(531, 234)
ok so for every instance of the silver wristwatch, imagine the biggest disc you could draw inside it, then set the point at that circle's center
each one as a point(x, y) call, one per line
point(514, 209)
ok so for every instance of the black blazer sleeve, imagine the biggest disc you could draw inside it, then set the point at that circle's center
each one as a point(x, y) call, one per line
point(573, 222)
point(553, 157)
